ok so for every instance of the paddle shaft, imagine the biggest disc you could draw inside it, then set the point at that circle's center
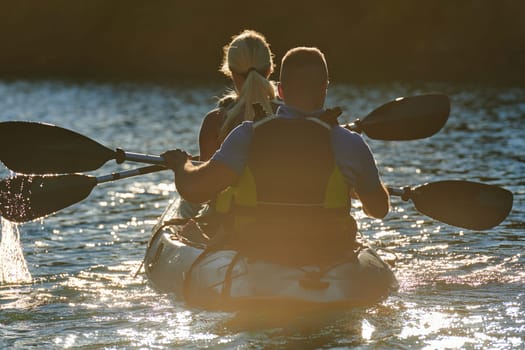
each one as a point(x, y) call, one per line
point(130, 173)
point(138, 157)
point(398, 192)
point(139, 171)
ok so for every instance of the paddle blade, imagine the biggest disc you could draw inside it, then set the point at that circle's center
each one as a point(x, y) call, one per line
point(407, 118)
point(471, 205)
point(24, 198)
point(38, 148)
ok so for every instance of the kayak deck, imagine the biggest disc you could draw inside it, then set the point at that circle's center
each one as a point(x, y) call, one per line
point(178, 262)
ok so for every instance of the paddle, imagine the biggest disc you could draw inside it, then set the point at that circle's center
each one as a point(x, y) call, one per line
point(38, 148)
point(405, 118)
point(28, 197)
point(471, 205)
point(460, 203)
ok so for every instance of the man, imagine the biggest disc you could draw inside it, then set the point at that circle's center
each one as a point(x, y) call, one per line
point(287, 181)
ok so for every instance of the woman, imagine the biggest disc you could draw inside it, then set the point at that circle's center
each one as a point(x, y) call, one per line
point(248, 62)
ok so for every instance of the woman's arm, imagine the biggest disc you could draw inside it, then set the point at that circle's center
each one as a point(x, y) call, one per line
point(209, 134)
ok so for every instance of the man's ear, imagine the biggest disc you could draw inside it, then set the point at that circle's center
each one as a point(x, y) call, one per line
point(280, 91)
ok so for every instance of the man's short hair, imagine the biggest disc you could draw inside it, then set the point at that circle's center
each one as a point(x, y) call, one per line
point(304, 66)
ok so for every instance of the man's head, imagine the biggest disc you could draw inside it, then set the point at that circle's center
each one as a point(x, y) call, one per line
point(304, 78)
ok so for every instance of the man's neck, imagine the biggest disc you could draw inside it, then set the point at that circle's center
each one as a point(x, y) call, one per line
point(293, 112)
point(304, 106)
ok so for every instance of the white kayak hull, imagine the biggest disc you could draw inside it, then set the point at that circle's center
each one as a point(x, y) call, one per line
point(224, 279)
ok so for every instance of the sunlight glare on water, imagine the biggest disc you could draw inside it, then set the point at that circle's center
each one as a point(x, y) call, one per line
point(13, 266)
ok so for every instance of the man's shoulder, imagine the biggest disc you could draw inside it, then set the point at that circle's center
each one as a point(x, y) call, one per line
point(240, 134)
point(343, 133)
point(346, 141)
point(243, 128)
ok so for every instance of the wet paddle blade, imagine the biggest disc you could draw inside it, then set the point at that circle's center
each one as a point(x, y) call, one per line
point(39, 148)
point(471, 205)
point(407, 118)
point(25, 198)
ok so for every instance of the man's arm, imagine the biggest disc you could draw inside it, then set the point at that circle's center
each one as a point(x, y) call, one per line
point(357, 163)
point(376, 203)
point(198, 183)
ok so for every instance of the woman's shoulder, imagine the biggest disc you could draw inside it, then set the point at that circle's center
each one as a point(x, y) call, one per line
point(213, 118)
point(217, 114)
point(222, 106)
point(214, 113)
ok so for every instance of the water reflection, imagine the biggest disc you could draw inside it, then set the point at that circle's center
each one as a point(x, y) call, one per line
point(290, 328)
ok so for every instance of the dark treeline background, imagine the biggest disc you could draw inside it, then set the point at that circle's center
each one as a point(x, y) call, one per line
point(171, 41)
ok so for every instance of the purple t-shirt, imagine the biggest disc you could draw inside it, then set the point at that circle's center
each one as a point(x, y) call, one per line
point(352, 154)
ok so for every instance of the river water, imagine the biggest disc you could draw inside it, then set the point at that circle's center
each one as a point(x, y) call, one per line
point(69, 280)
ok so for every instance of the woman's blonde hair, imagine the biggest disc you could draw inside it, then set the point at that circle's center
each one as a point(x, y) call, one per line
point(248, 54)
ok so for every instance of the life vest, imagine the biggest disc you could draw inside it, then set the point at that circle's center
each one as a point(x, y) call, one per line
point(291, 194)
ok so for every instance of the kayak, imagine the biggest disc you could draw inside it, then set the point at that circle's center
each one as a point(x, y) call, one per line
point(178, 260)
